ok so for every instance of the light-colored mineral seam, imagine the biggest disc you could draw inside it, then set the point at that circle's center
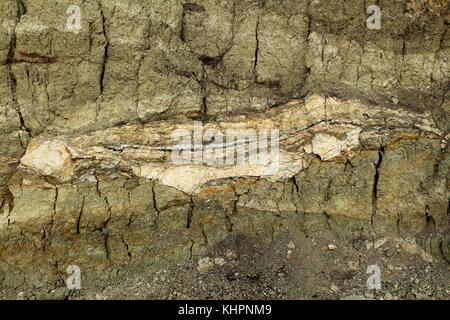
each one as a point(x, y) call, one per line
point(345, 128)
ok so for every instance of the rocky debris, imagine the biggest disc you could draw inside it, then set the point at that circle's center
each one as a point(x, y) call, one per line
point(332, 247)
point(220, 261)
point(263, 271)
point(204, 265)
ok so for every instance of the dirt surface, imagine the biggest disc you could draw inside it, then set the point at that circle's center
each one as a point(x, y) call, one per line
point(289, 268)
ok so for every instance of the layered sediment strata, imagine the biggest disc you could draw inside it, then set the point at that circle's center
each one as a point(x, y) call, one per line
point(87, 117)
point(114, 196)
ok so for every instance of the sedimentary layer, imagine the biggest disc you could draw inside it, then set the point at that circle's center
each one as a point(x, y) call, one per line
point(87, 119)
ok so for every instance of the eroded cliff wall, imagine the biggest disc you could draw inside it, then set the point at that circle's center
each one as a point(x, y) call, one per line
point(87, 117)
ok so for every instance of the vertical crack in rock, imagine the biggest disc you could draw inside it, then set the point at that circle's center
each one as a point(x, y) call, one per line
point(90, 37)
point(229, 223)
point(296, 187)
point(191, 247)
point(255, 63)
point(130, 220)
point(190, 214)
point(204, 97)
point(361, 57)
point(430, 222)
point(155, 206)
point(47, 236)
point(126, 247)
point(80, 215)
point(327, 220)
point(404, 49)
point(141, 61)
point(21, 7)
point(6, 208)
point(205, 237)
point(182, 27)
point(105, 229)
point(228, 220)
point(305, 90)
point(105, 53)
point(21, 10)
point(375, 186)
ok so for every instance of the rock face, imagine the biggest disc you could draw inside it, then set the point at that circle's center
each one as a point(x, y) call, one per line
point(88, 117)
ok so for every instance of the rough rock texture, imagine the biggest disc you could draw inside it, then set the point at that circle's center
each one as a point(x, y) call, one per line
point(86, 175)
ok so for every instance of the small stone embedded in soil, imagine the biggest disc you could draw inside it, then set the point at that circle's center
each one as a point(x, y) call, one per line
point(332, 247)
point(335, 288)
point(289, 254)
point(220, 261)
point(231, 255)
point(205, 265)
